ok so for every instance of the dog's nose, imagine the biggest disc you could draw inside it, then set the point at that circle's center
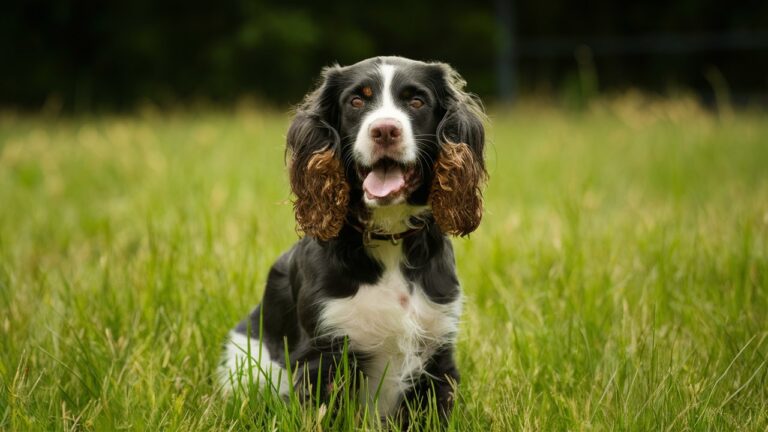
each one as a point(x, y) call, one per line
point(386, 131)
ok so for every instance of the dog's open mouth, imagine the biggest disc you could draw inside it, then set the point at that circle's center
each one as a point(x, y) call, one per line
point(387, 180)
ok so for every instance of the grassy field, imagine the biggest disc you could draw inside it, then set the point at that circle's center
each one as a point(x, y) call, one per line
point(618, 281)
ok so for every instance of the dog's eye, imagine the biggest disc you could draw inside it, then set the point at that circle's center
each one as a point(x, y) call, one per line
point(357, 102)
point(416, 103)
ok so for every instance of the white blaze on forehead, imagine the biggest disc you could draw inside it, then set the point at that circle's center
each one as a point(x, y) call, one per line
point(387, 108)
point(388, 75)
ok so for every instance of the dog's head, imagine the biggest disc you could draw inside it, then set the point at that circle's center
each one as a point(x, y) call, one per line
point(384, 132)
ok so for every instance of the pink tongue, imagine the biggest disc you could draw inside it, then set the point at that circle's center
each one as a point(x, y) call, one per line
point(381, 182)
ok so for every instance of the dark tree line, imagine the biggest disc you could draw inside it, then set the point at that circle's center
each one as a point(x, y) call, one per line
point(94, 54)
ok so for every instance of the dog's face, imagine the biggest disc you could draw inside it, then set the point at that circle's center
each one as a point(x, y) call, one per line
point(389, 117)
point(382, 132)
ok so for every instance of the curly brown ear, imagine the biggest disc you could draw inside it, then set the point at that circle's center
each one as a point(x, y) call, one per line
point(315, 170)
point(456, 196)
point(322, 194)
point(457, 190)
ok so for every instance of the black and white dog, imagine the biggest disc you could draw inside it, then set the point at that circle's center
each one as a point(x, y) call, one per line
point(386, 161)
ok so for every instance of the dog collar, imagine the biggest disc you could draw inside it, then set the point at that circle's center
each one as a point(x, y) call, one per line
point(393, 238)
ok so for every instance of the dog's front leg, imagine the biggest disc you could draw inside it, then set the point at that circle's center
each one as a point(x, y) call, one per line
point(324, 372)
point(439, 384)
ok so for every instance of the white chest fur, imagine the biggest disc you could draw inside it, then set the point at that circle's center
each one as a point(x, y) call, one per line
point(395, 324)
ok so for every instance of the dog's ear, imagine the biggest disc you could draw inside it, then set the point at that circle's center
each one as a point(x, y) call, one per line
point(315, 169)
point(456, 195)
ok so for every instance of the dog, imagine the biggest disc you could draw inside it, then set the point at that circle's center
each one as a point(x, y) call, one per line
point(386, 161)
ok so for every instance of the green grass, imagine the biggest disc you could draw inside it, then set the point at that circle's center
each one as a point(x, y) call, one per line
point(618, 281)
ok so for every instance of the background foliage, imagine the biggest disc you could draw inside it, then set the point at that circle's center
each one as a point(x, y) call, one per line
point(89, 54)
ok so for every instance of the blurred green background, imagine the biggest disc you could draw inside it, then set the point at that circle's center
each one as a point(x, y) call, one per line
point(88, 55)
